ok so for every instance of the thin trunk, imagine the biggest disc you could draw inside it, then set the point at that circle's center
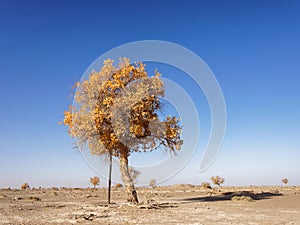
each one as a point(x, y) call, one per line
point(129, 186)
point(109, 178)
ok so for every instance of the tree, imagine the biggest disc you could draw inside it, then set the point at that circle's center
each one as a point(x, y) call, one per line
point(285, 181)
point(152, 183)
point(95, 181)
point(217, 180)
point(134, 173)
point(116, 115)
point(118, 185)
point(25, 186)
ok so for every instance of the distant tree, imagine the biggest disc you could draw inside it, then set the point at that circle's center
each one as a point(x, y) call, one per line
point(285, 180)
point(95, 181)
point(206, 185)
point(217, 180)
point(118, 185)
point(25, 186)
point(134, 173)
point(152, 183)
point(122, 102)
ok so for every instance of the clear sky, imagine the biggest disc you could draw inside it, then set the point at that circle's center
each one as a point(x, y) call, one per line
point(252, 47)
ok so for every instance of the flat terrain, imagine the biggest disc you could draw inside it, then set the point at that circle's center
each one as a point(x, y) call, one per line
point(178, 204)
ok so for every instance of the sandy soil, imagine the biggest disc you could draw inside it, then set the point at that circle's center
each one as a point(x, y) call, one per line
point(178, 204)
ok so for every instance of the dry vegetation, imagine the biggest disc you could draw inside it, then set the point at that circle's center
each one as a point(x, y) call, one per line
point(206, 185)
point(152, 183)
point(285, 181)
point(25, 186)
point(177, 204)
point(118, 185)
point(217, 180)
point(95, 181)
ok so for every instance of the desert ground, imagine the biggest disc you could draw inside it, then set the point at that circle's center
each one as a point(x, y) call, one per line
point(177, 204)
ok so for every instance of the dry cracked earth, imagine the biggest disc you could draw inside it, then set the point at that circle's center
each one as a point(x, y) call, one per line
point(177, 204)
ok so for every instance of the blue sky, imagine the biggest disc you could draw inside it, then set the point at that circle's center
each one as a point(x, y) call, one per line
point(252, 47)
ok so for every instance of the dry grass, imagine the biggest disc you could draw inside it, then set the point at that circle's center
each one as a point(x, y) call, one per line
point(242, 198)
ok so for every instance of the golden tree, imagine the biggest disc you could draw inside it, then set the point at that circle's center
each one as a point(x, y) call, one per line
point(118, 185)
point(116, 114)
point(95, 181)
point(25, 186)
point(217, 180)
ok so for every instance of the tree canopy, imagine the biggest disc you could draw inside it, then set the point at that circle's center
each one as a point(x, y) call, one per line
point(115, 111)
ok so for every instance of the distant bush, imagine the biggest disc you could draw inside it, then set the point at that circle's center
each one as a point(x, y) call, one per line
point(95, 181)
point(217, 180)
point(242, 198)
point(64, 188)
point(25, 186)
point(117, 186)
point(285, 181)
point(152, 183)
point(34, 198)
point(206, 185)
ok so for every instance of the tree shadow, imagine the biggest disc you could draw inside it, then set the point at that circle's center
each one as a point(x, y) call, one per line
point(229, 195)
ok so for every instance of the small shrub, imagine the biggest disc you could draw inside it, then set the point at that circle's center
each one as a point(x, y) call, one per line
point(217, 180)
point(152, 183)
point(285, 181)
point(242, 198)
point(275, 192)
point(117, 186)
point(34, 198)
point(25, 186)
point(95, 181)
point(297, 192)
point(206, 185)
point(149, 198)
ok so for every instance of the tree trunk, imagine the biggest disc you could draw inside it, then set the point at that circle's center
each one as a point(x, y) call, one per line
point(129, 186)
